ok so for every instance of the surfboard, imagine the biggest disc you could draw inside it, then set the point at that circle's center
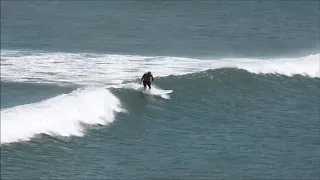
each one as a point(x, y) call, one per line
point(157, 92)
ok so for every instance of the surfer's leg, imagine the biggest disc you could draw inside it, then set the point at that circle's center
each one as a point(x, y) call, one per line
point(144, 84)
point(149, 84)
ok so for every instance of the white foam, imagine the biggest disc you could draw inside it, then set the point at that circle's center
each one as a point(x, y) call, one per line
point(60, 115)
point(92, 69)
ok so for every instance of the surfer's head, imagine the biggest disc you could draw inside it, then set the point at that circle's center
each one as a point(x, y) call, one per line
point(149, 72)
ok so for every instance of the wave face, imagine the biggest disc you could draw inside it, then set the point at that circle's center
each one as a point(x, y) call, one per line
point(93, 69)
point(61, 115)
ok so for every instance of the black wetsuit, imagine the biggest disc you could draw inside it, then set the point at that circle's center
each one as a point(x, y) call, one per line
point(147, 77)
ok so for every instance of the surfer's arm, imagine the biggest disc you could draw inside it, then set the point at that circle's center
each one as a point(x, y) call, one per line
point(152, 78)
point(141, 78)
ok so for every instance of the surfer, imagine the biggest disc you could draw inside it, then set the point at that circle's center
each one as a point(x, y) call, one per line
point(147, 77)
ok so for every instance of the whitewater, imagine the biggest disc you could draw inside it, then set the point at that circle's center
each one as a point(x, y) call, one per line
point(109, 69)
point(62, 115)
point(65, 114)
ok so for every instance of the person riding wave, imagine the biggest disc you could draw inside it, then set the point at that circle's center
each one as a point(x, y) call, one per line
point(147, 78)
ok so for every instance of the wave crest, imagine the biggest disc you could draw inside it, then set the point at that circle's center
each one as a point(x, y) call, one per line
point(61, 115)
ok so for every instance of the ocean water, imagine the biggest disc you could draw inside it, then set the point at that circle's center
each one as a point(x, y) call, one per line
point(245, 79)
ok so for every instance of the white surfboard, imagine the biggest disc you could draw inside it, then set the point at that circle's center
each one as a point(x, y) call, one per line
point(158, 92)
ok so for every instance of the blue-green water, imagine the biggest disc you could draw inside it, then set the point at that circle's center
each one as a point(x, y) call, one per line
point(244, 75)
